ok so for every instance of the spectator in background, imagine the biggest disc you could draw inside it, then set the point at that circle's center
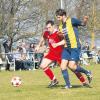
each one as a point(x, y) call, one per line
point(94, 54)
point(19, 59)
point(31, 51)
point(7, 46)
point(87, 49)
point(99, 56)
point(19, 43)
point(24, 53)
point(23, 46)
point(1, 63)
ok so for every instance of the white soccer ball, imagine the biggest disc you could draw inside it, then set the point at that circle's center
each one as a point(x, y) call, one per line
point(16, 81)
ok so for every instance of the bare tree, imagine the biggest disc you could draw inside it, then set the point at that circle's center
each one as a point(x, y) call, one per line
point(26, 18)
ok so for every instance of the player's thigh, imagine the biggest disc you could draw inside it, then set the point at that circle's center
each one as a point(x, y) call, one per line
point(74, 57)
point(66, 54)
point(75, 53)
point(72, 65)
point(64, 64)
point(45, 63)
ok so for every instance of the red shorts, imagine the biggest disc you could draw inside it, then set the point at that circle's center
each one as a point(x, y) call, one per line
point(53, 57)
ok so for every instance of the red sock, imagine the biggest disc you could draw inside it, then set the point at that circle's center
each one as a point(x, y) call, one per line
point(49, 73)
point(80, 77)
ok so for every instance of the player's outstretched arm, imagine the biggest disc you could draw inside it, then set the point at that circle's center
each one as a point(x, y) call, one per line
point(40, 44)
point(59, 43)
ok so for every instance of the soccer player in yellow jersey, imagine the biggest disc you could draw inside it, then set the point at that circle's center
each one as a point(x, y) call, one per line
point(70, 55)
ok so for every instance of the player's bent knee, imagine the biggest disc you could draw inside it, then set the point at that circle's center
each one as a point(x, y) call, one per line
point(42, 66)
point(71, 66)
point(63, 67)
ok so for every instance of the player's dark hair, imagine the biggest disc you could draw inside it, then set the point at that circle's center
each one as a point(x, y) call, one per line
point(50, 22)
point(60, 12)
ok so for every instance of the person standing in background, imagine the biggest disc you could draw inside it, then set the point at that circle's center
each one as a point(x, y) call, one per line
point(7, 46)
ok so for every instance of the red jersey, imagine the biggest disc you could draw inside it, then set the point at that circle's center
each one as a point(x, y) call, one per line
point(54, 53)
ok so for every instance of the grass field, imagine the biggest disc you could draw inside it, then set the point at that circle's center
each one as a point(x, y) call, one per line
point(34, 86)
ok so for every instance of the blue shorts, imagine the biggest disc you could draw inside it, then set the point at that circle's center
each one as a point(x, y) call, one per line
point(71, 54)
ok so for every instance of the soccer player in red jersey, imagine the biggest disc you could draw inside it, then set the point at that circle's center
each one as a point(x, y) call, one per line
point(54, 54)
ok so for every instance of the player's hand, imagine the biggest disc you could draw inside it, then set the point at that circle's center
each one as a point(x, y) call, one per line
point(54, 45)
point(37, 48)
point(61, 34)
point(85, 19)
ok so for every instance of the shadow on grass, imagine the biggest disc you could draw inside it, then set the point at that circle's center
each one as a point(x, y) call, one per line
point(73, 87)
point(18, 90)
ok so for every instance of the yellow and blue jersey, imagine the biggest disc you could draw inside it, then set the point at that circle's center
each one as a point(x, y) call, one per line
point(70, 30)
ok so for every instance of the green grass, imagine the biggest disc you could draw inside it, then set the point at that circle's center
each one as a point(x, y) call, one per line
point(34, 86)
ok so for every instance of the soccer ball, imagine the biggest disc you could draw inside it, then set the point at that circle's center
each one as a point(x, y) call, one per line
point(16, 81)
